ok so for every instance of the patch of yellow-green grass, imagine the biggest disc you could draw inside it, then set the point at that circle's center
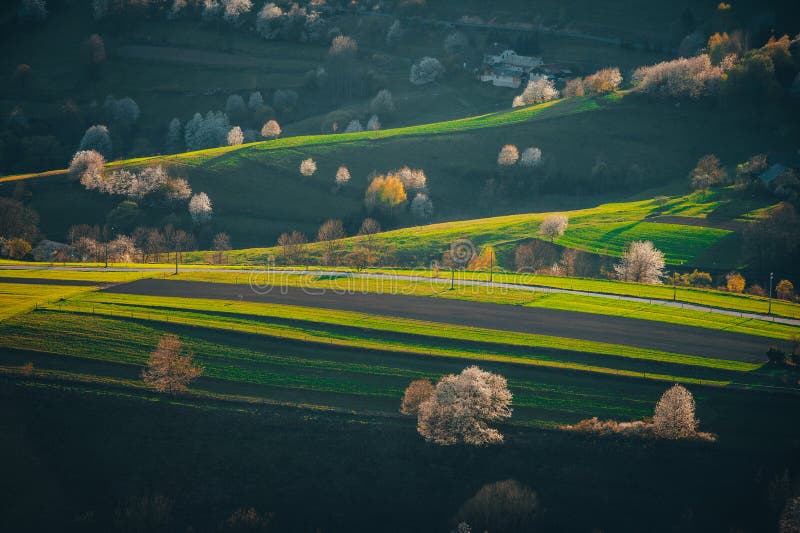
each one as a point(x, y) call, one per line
point(185, 310)
point(99, 276)
point(16, 298)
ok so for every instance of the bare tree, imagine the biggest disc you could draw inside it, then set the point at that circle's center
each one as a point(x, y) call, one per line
point(461, 407)
point(417, 392)
point(641, 262)
point(308, 167)
point(330, 232)
point(169, 369)
point(292, 246)
point(674, 416)
point(508, 156)
point(369, 228)
point(554, 226)
point(221, 244)
point(271, 129)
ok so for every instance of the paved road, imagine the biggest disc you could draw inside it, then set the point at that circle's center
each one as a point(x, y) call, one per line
point(603, 328)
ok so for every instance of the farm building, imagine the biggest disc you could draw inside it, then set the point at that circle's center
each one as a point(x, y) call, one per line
point(507, 69)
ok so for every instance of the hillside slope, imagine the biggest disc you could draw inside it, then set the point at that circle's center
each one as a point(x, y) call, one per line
point(258, 191)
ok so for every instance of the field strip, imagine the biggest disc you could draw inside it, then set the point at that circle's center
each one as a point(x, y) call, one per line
point(179, 310)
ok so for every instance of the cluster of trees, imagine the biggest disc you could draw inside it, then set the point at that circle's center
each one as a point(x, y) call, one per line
point(388, 193)
point(366, 251)
point(509, 156)
point(603, 81)
point(673, 418)
point(460, 407)
point(19, 228)
point(725, 69)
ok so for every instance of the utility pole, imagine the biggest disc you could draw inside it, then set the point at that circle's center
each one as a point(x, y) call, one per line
point(491, 266)
point(674, 288)
point(176, 260)
point(452, 277)
point(769, 310)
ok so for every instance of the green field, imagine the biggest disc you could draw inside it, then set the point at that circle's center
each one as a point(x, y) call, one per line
point(258, 193)
point(605, 229)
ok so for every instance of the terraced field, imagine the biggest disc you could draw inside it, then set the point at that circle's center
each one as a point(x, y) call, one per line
point(316, 370)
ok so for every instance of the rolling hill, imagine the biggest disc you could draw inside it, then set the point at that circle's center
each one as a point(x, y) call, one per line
point(258, 191)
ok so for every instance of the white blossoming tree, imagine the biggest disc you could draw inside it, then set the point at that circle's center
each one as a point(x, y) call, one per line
point(200, 208)
point(308, 167)
point(554, 226)
point(508, 156)
point(642, 262)
point(461, 407)
point(674, 416)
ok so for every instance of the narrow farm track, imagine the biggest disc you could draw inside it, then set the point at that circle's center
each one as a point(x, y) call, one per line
point(568, 324)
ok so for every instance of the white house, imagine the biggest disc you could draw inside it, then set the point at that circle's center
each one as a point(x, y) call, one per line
point(510, 58)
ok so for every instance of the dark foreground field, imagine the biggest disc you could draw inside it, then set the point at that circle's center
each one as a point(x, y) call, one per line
point(676, 338)
point(78, 460)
